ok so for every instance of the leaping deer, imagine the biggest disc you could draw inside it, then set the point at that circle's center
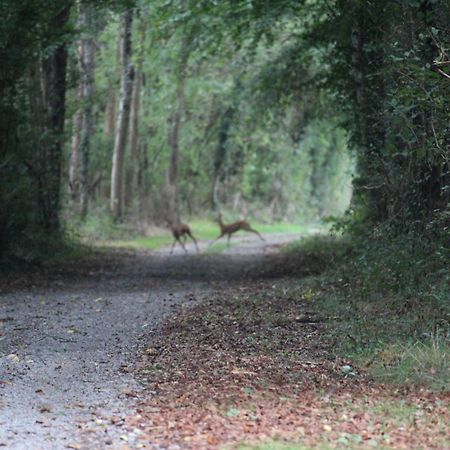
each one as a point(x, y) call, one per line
point(181, 230)
point(232, 228)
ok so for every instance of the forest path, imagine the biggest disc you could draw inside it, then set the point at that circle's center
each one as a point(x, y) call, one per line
point(68, 337)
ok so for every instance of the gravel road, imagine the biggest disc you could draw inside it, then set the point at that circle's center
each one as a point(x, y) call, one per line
point(67, 344)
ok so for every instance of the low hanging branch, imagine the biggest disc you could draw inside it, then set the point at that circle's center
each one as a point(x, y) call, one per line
point(441, 72)
point(443, 59)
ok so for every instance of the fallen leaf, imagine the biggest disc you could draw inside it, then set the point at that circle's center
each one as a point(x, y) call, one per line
point(13, 357)
point(129, 393)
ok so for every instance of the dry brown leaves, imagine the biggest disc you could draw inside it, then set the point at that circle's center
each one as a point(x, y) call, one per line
point(241, 368)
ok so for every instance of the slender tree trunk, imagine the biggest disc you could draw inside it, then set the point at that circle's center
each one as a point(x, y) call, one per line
point(75, 149)
point(221, 152)
point(54, 92)
point(131, 176)
point(87, 66)
point(174, 133)
point(133, 167)
point(123, 120)
point(110, 114)
point(109, 126)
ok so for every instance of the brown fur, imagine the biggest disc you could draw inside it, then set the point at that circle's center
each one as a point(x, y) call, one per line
point(229, 229)
point(179, 231)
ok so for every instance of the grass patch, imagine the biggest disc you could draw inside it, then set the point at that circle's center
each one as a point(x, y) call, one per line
point(391, 298)
point(208, 230)
point(423, 363)
point(148, 243)
point(100, 230)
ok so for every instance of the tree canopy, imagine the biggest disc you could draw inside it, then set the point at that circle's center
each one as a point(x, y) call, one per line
point(264, 108)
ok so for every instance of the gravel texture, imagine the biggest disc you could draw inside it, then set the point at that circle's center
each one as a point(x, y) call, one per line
point(68, 339)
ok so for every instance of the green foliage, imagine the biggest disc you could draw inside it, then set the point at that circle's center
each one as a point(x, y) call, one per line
point(28, 35)
point(98, 226)
point(391, 298)
point(281, 101)
point(425, 362)
point(227, 132)
point(25, 35)
point(386, 84)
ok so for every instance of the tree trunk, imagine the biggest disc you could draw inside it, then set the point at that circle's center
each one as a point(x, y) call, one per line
point(220, 152)
point(75, 149)
point(110, 114)
point(133, 167)
point(174, 133)
point(131, 176)
point(109, 126)
point(366, 62)
point(54, 92)
point(87, 83)
point(123, 120)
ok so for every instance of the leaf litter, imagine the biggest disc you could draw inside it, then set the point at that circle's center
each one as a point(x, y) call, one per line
point(241, 368)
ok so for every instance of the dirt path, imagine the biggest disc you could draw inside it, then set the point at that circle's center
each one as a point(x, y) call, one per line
point(67, 339)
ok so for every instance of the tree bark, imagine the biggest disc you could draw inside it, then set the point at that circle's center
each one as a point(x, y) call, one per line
point(174, 132)
point(109, 126)
point(54, 90)
point(131, 176)
point(110, 114)
point(133, 167)
point(221, 152)
point(116, 204)
point(75, 149)
point(87, 67)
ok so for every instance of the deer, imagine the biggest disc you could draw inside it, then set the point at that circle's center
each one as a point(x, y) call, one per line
point(181, 230)
point(233, 228)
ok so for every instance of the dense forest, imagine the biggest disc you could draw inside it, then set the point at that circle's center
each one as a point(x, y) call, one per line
point(281, 110)
point(321, 127)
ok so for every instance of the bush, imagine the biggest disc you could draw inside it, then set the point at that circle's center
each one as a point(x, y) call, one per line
point(390, 293)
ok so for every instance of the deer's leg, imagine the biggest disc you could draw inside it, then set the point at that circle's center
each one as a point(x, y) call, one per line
point(228, 240)
point(182, 244)
point(254, 231)
point(173, 245)
point(195, 241)
point(217, 238)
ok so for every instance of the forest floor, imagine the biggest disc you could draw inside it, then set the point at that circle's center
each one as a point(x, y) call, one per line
point(138, 349)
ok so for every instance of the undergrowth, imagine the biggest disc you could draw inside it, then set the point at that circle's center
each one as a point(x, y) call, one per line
point(390, 297)
point(99, 225)
point(36, 249)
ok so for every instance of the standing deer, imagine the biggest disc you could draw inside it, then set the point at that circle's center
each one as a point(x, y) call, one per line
point(181, 230)
point(232, 228)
